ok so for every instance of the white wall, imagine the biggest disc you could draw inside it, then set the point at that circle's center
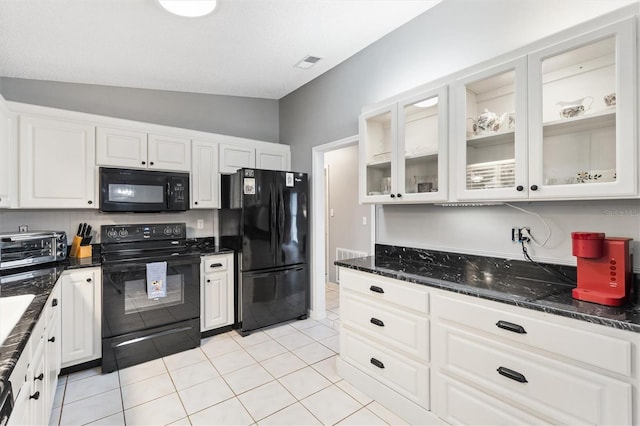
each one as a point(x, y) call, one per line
point(486, 230)
point(68, 220)
point(345, 226)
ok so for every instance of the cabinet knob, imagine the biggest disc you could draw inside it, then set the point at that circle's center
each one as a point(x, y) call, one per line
point(40, 377)
point(519, 188)
point(195, 202)
point(151, 163)
point(88, 280)
point(144, 162)
point(534, 187)
point(208, 281)
point(53, 339)
point(54, 302)
point(35, 395)
point(393, 195)
point(89, 202)
point(399, 195)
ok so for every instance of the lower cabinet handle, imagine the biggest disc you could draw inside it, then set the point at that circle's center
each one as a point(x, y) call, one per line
point(53, 339)
point(35, 395)
point(40, 377)
point(511, 374)
point(215, 265)
point(376, 289)
point(377, 363)
point(509, 326)
point(376, 321)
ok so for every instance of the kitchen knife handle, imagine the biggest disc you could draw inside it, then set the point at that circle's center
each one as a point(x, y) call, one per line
point(511, 374)
point(509, 326)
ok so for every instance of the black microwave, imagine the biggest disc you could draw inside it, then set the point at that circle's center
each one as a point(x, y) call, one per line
point(140, 191)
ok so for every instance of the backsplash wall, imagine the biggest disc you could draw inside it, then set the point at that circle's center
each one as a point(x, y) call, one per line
point(68, 220)
point(486, 230)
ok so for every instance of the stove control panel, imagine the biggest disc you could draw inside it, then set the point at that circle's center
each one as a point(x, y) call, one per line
point(144, 232)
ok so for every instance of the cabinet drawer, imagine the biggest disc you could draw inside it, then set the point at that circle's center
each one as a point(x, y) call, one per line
point(598, 350)
point(216, 263)
point(403, 294)
point(407, 377)
point(406, 331)
point(558, 390)
point(459, 404)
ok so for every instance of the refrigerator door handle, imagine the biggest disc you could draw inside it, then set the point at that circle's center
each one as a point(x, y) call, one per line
point(281, 214)
point(273, 221)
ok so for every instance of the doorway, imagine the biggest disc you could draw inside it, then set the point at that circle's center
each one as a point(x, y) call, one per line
point(323, 193)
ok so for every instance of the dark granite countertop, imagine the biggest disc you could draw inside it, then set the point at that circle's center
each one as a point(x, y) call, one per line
point(545, 288)
point(40, 281)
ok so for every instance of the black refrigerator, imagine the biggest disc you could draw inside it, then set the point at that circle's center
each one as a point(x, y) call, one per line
point(264, 218)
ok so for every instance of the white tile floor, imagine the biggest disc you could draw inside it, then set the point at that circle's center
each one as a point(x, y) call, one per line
point(285, 375)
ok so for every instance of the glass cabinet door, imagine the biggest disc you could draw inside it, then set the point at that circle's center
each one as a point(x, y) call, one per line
point(491, 133)
point(582, 136)
point(378, 140)
point(422, 147)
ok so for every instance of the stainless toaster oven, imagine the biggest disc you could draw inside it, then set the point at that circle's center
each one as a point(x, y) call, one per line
point(29, 248)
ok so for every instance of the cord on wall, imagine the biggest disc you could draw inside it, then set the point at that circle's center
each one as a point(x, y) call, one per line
point(546, 240)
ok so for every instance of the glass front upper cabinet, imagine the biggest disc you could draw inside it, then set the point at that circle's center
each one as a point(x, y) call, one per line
point(404, 146)
point(491, 139)
point(582, 139)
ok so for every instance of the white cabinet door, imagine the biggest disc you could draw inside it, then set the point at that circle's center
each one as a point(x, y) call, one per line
point(580, 144)
point(121, 148)
point(234, 157)
point(57, 164)
point(404, 150)
point(276, 157)
point(491, 133)
point(81, 316)
point(216, 292)
point(7, 146)
point(205, 179)
point(53, 351)
point(169, 153)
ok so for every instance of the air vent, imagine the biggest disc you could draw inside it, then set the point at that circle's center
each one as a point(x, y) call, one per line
point(307, 62)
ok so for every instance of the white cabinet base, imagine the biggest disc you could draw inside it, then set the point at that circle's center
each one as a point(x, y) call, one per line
point(391, 400)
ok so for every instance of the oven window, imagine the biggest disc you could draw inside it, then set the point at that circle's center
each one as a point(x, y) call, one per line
point(136, 298)
point(124, 193)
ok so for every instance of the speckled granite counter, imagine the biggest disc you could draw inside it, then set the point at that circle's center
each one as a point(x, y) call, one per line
point(40, 280)
point(545, 288)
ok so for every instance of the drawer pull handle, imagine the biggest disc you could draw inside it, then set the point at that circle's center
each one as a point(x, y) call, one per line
point(53, 339)
point(35, 395)
point(377, 363)
point(513, 375)
point(509, 326)
point(40, 377)
point(376, 321)
point(376, 289)
point(215, 265)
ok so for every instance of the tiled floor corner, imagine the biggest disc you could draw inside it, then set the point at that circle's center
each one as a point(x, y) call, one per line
point(284, 375)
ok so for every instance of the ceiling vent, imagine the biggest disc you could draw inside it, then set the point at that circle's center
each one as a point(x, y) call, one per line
point(307, 62)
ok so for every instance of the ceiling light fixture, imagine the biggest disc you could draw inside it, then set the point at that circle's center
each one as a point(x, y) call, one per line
point(307, 62)
point(189, 8)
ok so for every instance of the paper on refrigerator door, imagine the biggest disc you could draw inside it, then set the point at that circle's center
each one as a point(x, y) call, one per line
point(156, 280)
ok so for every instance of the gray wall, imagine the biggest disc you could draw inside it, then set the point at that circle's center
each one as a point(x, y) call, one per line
point(450, 37)
point(454, 35)
point(345, 226)
point(251, 118)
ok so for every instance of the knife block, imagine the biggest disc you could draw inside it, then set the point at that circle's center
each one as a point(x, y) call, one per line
point(79, 251)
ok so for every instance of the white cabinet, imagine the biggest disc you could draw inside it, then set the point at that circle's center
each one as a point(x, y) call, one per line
point(205, 179)
point(559, 372)
point(216, 294)
point(273, 157)
point(263, 155)
point(35, 375)
point(403, 150)
point(384, 341)
point(7, 147)
point(558, 123)
point(57, 163)
point(129, 148)
point(81, 315)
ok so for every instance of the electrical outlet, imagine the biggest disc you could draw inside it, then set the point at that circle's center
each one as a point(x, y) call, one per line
point(519, 235)
point(200, 224)
point(23, 228)
point(364, 220)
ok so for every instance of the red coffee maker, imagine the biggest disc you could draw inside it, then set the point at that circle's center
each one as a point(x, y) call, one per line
point(604, 268)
